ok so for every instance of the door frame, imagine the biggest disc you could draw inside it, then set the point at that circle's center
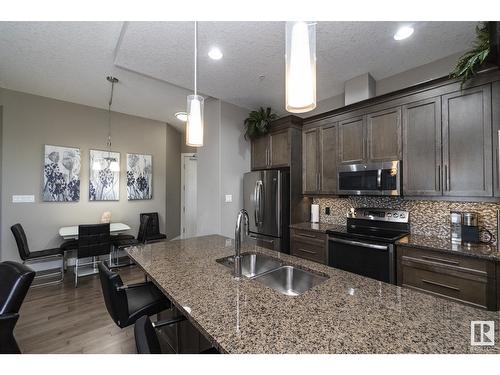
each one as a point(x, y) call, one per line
point(183, 178)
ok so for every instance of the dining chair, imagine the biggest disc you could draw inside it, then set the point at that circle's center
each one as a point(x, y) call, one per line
point(94, 240)
point(34, 257)
point(127, 303)
point(121, 241)
point(153, 232)
point(16, 280)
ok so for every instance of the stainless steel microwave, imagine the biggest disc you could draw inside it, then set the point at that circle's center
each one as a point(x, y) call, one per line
point(382, 178)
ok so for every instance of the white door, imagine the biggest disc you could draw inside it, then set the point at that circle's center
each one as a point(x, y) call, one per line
point(188, 195)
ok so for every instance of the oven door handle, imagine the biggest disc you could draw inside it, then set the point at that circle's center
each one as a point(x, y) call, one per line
point(361, 244)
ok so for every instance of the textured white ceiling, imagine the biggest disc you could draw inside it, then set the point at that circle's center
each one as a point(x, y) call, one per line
point(70, 61)
point(154, 60)
point(253, 49)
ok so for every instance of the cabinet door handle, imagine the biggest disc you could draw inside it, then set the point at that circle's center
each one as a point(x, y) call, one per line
point(441, 285)
point(446, 180)
point(261, 239)
point(447, 261)
point(305, 235)
point(306, 251)
point(498, 160)
point(439, 178)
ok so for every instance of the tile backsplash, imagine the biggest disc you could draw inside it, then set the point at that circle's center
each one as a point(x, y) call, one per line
point(430, 218)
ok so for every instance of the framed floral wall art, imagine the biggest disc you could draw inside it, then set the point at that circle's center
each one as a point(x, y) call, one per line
point(61, 174)
point(139, 176)
point(104, 176)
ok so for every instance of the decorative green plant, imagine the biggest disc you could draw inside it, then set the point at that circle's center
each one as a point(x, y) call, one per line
point(257, 123)
point(470, 62)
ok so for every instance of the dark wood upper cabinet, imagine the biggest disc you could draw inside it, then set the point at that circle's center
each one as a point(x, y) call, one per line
point(328, 159)
point(310, 147)
point(383, 132)
point(319, 160)
point(274, 150)
point(260, 152)
point(422, 148)
point(352, 141)
point(279, 149)
point(467, 143)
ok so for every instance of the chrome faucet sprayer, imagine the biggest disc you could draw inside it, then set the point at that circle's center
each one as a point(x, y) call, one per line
point(242, 215)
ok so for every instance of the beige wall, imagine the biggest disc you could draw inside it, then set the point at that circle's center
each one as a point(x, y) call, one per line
point(222, 160)
point(235, 160)
point(173, 173)
point(31, 121)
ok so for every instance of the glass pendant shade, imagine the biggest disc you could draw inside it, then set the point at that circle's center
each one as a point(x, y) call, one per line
point(300, 67)
point(194, 124)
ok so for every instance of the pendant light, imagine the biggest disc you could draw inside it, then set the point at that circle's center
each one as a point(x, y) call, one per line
point(111, 162)
point(300, 67)
point(194, 124)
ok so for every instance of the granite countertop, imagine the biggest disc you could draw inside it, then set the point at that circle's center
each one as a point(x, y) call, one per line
point(318, 227)
point(347, 313)
point(483, 251)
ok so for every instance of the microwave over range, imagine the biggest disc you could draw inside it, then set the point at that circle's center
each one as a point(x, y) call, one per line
point(382, 178)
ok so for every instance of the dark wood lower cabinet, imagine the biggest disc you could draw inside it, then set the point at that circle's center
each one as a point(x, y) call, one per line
point(309, 245)
point(460, 278)
point(181, 338)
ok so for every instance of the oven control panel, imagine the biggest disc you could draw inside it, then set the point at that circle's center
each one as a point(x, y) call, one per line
point(380, 214)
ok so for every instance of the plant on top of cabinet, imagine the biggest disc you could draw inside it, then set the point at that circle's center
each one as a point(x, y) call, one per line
point(470, 62)
point(258, 122)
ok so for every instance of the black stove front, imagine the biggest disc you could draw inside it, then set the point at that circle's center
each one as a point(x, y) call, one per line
point(366, 247)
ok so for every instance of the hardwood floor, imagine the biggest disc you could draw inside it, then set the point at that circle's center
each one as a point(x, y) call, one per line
point(62, 319)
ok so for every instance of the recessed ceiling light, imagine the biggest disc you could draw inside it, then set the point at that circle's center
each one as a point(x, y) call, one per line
point(182, 116)
point(403, 33)
point(215, 53)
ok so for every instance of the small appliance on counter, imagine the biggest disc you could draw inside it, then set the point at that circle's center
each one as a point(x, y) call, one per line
point(470, 228)
point(315, 213)
point(465, 229)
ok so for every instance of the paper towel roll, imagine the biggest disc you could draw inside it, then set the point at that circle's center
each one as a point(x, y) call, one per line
point(314, 213)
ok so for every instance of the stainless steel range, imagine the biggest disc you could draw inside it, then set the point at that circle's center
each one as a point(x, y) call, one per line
point(366, 245)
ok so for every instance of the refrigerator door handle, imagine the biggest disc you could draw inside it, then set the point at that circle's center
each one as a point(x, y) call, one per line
point(255, 206)
point(258, 197)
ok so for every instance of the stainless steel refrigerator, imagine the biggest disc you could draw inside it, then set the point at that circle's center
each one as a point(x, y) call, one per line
point(267, 200)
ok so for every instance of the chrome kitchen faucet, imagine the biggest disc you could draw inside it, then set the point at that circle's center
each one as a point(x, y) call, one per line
point(242, 215)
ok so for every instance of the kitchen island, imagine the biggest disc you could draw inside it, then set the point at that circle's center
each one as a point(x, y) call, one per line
point(347, 313)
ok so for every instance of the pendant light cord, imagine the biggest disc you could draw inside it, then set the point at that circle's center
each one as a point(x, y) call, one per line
point(195, 57)
point(111, 80)
point(109, 115)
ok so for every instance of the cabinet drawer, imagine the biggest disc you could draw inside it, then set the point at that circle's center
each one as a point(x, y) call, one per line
point(309, 250)
point(306, 235)
point(473, 292)
point(450, 261)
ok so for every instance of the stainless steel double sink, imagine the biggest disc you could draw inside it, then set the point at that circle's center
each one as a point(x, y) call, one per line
point(273, 273)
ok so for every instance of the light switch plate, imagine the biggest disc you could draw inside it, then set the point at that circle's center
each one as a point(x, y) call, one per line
point(23, 199)
point(229, 198)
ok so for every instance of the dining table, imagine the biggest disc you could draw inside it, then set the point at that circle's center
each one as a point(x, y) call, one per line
point(71, 232)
